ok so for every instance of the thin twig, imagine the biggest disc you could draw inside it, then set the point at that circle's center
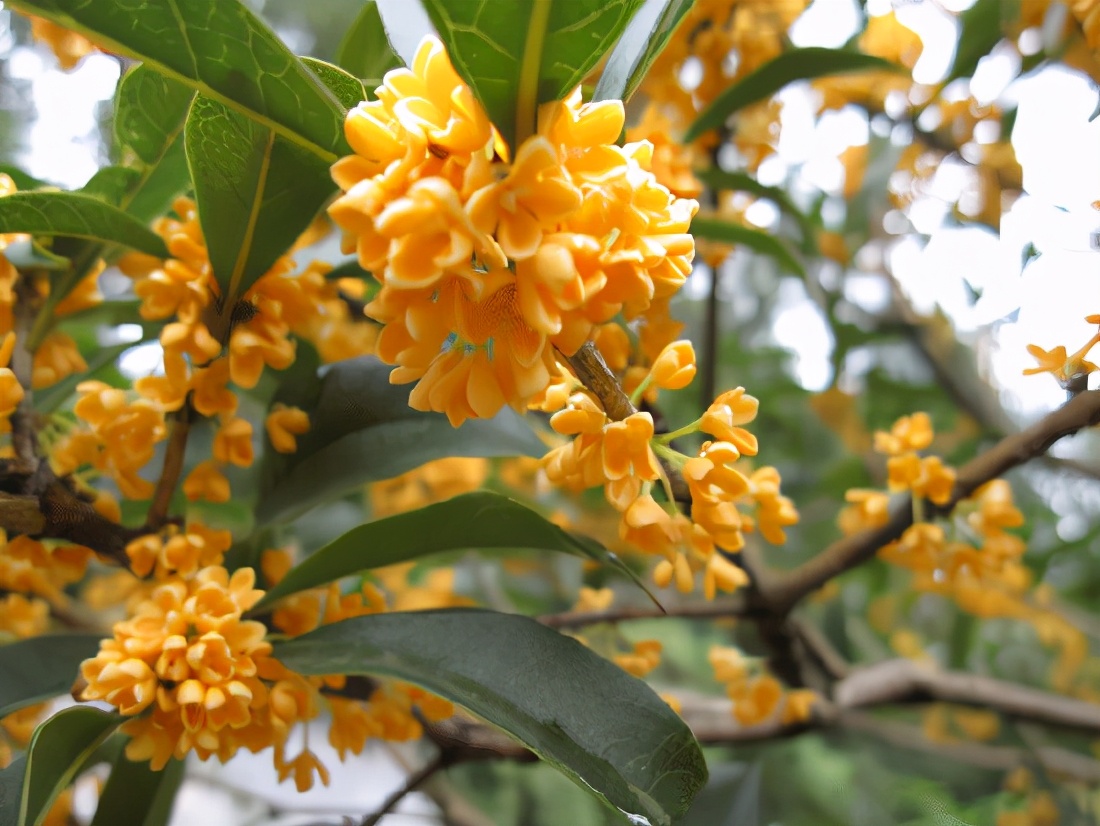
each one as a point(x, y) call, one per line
point(411, 782)
point(782, 591)
point(24, 435)
point(734, 607)
point(171, 469)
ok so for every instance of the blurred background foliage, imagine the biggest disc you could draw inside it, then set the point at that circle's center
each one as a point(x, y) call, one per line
point(872, 330)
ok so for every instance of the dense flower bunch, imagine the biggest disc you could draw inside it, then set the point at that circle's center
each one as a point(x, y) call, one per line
point(488, 264)
point(625, 458)
point(970, 556)
point(1069, 370)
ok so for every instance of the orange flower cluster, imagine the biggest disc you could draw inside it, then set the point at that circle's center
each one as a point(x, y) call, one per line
point(757, 696)
point(622, 456)
point(29, 566)
point(486, 266)
point(927, 478)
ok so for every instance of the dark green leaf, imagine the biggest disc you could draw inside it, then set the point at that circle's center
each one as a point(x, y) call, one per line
point(111, 183)
point(40, 668)
point(714, 229)
point(365, 51)
point(220, 49)
point(76, 215)
point(135, 795)
point(473, 520)
point(601, 727)
point(362, 430)
point(718, 179)
point(797, 64)
point(57, 751)
point(26, 253)
point(644, 39)
point(11, 791)
point(517, 55)
point(979, 31)
point(256, 192)
point(161, 184)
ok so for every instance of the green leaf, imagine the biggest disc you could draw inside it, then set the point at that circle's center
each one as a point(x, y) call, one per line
point(365, 51)
point(601, 727)
point(715, 229)
point(718, 179)
point(256, 193)
point(797, 64)
point(11, 790)
point(349, 89)
point(217, 48)
point(517, 55)
point(37, 669)
point(363, 430)
point(76, 215)
point(26, 253)
point(21, 179)
point(57, 751)
point(979, 31)
point(111, 183)
point(150, 112)
point(135, 795)
point(644, 39)
point(473, 521)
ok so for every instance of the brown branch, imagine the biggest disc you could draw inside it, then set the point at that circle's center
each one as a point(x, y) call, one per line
point(24, 435)
point(782, 591)
point(171, 469)
point(904, 681)
point(411, 782)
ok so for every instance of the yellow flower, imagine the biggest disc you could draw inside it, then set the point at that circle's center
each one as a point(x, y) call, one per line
point(206, 481)
point(908, 433)
point(233, 442)
point(68, 46)
point(674, 369)
point(725, 415)
point(283, 424)
point(1063, 367)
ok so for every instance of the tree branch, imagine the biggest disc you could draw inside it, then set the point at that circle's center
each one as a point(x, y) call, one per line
point(733, 607)
point(411, 782)
point(171, 469)
point(782, 591)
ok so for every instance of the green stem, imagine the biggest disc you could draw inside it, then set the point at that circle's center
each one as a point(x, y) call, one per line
point(686, 430)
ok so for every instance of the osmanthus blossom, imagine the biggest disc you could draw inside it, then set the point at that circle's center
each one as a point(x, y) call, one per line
point(490, 261)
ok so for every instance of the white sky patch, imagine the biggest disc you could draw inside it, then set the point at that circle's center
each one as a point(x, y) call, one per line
point(798, 326)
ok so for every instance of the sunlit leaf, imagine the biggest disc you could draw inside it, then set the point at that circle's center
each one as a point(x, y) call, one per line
point(76, 215)
point(797, 64)
point(642, 41)
point(518, 55)
point(480, 520)
point(57, 751)
point(601, 727)
point(220, 49)
point(111, 183)
point(730, 232)
point(365, 51)
point(40, 668)
point(362, 430)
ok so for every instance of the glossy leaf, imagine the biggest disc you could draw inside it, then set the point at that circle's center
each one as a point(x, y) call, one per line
point(603, 728)
point(37, 669)
point(220, 49)
point(76, 215)
point(135, 795)
point(57, 751)
point(365, 51)
point(477, 520)
point(797, 64)
point(256, 192)
point(715, 229)
point(111, 183)
point(362, 430)
point(518, 55)
point(11, 790)
point(718, 179)
point(150, 112)
point(644, 39)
